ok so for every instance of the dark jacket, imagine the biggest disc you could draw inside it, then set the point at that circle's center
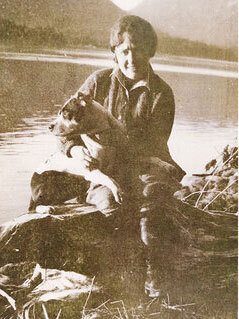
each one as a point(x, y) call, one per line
point(146, 111)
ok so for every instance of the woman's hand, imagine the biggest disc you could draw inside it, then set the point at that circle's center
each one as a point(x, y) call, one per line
point(81, 153)
point(117, 192)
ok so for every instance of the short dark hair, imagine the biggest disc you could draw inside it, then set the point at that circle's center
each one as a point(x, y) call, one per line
point(140, 30)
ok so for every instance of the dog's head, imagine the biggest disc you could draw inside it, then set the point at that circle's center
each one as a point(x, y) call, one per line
point(71, 118)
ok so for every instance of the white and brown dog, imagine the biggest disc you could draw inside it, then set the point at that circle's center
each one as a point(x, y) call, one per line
point(102, 136)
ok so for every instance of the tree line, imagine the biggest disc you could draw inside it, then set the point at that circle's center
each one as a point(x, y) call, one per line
point(11, 33)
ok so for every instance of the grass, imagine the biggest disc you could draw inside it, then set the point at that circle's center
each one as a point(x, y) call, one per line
point(156, 308)
point(118, 310)
point(195, 294)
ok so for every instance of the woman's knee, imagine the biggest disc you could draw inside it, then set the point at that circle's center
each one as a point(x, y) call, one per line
point(102, 198)
point(160, 191)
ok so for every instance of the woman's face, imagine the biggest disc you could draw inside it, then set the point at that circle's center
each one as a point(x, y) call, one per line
point(132, 59)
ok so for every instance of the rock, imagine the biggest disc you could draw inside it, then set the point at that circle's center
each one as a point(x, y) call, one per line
point(60, 259)
point(42, 285)
point(83, 241)
point(77, 243)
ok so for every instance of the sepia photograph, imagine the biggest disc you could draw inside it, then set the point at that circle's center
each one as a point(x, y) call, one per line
point(118, 159)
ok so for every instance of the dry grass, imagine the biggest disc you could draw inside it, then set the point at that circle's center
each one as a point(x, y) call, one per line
point(118, 310)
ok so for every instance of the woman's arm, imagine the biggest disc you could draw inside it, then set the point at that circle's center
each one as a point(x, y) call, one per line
point(159, 130)
point(162, 119)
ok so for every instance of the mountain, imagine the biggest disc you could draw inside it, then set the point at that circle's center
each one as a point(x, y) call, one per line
point(213, 22)
point(79, 23)
point(76, 18)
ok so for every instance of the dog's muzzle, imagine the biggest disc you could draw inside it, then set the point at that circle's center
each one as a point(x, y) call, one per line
point(51, 127)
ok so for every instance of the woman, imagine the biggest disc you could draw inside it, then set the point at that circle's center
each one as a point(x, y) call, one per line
point(144, 104)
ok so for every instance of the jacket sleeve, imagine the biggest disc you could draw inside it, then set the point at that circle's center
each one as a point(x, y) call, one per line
point(151, 136)
point(162, 117)
point(160, 128)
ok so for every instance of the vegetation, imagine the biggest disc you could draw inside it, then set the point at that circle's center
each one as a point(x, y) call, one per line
point(11, 33)
point(217, 189)
point(184, 47)
point(40, 36)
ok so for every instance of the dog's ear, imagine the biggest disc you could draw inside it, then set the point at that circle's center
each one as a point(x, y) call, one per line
point(79, 109)
point(72, 109)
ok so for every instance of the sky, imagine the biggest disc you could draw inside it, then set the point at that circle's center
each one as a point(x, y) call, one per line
point(213, 22)
point(127, 4)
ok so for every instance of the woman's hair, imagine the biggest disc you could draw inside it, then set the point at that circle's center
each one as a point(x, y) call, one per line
point(141, 33)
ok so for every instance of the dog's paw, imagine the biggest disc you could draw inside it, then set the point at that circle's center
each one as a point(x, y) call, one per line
point(118, 193)
point(107, 212)
point(41, 209)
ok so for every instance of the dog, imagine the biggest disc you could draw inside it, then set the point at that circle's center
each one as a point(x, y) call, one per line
point(103, 138)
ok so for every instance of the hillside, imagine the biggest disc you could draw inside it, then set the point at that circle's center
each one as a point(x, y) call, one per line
point(212, 22)
point(88, 19)
point(71, 24)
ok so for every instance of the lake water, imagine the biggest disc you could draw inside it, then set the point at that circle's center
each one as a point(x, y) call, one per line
point(33, 87)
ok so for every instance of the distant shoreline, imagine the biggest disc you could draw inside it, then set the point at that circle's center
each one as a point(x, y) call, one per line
point(103, 58)
point(93, 51)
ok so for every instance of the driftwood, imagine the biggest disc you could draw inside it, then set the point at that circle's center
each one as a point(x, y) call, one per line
point(108, 254)
point(215, 190)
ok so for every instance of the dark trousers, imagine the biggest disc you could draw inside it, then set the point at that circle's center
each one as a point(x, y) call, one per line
point(143, 208)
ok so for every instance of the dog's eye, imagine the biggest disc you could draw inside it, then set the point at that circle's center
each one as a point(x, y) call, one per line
point(66, 115)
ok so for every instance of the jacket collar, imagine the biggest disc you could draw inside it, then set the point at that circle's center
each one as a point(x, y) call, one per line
point(121, 78)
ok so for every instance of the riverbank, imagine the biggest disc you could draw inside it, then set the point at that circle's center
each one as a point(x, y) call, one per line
point(80, 264)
